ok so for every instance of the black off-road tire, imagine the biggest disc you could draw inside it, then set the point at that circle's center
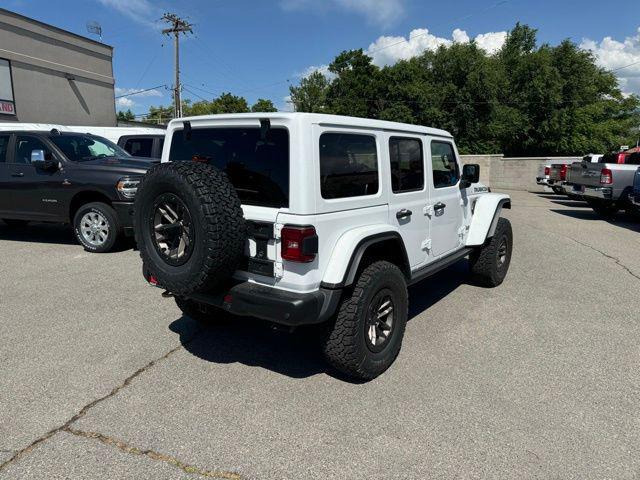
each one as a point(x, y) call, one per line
point(346, 346)
point(201, 313)
point(115, 231)
point(216, 226)
point(13, 223)
point(604, 209)
point(490, 263)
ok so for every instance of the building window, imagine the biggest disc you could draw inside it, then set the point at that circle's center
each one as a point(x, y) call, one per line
point(7, 105)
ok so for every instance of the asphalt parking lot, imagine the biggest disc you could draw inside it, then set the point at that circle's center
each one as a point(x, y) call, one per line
point(102, 378)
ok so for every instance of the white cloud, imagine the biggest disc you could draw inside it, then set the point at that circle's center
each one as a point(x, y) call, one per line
point(389, 50)
point(378, 12)
point(323, 69)
point(141, 11)
point(613, 55)
point(129, 100)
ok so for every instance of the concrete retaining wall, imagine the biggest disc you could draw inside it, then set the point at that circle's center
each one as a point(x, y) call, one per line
point(503, 173)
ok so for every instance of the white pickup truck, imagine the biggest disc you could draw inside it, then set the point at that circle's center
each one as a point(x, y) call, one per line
point(607, 185)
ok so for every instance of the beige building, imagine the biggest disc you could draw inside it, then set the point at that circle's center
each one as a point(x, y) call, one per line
point(49, 75)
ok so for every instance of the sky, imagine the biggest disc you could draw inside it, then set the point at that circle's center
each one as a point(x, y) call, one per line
point(257, 48)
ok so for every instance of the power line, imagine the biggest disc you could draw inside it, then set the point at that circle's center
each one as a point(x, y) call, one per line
point(138, 92)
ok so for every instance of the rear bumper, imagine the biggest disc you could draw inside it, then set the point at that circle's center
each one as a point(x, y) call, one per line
point(277, 306)
point(542, 181)
point(124, 210)
point(572, 190)
point(599, 193)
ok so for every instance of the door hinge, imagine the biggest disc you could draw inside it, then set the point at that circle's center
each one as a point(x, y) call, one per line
point(426, 245)
point(428, 211)
point(278, 270)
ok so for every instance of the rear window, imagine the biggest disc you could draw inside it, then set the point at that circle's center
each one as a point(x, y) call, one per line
point(348, 165)
point(609, 158)
point(257, 167)
point(139, 147)
point(4, 146)
point(633, 159)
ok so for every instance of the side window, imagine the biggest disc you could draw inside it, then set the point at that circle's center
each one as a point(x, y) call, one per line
point(139, 147)
point(4, 147)
point(445, 166)
point(407, 164)
point(348, 165)
point(25, 145)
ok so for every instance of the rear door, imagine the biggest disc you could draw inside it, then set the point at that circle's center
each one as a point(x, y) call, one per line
point(409, 194)
point(5, 195)
point(446, 203)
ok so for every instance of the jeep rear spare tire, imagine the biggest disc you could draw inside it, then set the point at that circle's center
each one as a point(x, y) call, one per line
point(189, 227)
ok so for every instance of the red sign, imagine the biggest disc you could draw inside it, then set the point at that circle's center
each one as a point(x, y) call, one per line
point(7, 108)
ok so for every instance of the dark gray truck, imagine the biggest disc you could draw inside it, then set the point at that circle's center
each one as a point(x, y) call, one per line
point(607, 186)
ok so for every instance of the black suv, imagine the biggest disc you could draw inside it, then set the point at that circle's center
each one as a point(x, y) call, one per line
point(74, 178)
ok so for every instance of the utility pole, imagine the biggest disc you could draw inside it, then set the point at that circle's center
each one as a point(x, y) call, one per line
point(177, 26)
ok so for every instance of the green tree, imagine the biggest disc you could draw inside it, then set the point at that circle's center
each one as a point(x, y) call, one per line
point(311, 94)
point(228, 103)
point(263, 105)
point(127, 116)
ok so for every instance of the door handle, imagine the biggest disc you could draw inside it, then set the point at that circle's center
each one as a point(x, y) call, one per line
point(20, 174)
point(404, 213)
point(439, 206)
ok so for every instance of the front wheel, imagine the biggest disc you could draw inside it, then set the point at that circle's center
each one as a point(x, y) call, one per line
point(97, 227)
point(490, 263)
point(366, 336)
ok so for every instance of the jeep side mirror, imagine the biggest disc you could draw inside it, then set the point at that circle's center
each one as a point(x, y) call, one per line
point(40, 159)
point(470, 174)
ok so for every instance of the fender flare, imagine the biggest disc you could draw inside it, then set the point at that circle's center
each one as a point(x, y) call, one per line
point(486, 214)
point(357, 242)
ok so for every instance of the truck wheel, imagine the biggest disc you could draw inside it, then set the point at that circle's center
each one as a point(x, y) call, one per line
point(189, 227)
point(603, 209)
point(200, 312)
point(10, 222)
point(366, 336)
point(490, 263)
point(97, 227)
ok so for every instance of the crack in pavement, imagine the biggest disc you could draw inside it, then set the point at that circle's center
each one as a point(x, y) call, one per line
point(606, 255)
point(173, 461)
point(615, 259)
point(83, 411)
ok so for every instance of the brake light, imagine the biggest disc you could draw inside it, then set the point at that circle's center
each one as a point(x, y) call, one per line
point(547, 171)
point(606, 176)
point(621, 158)
point(299, 244)
point(563, 172)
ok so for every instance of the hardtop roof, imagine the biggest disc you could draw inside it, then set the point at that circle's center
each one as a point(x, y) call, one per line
point(317, 118)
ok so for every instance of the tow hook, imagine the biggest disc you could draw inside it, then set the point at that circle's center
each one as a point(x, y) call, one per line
point(167, 294)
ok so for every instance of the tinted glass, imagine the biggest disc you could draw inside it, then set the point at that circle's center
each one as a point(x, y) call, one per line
point(445, 167)
point(407, 164)
point(79, 148)
point(139, 147)
point(348, 165)
point(25, 145)
point(258, 168)
point(4, 146)
point(633, 159)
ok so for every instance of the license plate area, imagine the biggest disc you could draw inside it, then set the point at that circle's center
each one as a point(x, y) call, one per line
point(258, 262)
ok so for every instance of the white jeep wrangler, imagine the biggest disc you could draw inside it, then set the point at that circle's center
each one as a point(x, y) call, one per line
point(305, 219)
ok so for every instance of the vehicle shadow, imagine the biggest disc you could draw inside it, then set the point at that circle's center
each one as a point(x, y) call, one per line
point(620, 219)
point(571, 203)
point(296, 354)
point(38, 233)
point(51, 233)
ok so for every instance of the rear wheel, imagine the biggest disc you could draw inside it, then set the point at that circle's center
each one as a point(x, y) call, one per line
point(490, 263)
point(367, 334)
point(10, 222)
point(603, 208)
point(97, 227)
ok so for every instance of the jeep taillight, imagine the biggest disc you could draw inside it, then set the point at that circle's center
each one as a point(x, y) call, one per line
point(547, 171)
point(563, 172)
point(606, 177)
point(299, 244)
